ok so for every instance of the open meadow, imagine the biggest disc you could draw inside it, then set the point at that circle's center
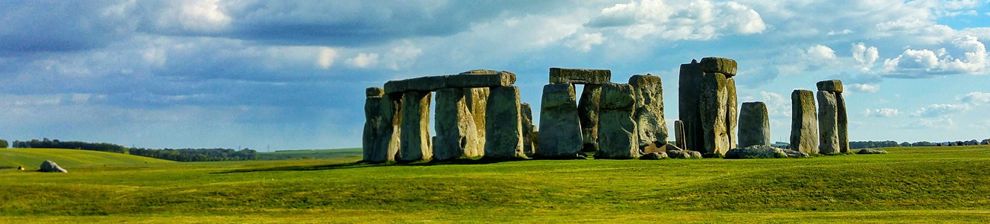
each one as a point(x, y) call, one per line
point(909, 185)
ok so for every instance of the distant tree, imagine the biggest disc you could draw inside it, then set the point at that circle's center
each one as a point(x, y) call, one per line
point(3, 144)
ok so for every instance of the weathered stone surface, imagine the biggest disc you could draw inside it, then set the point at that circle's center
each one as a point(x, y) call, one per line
point(391, 134)
point(560, 128)
point(477, 103)
point(433, 83)
point(754, 125)
point(732, 112)
point(503, 124)
point(50, 166)
point(456, 133)
point(725, 66)
point(694, 154)
point(374, 91)
point(714, 111)
point(804, 122)
point(828, 129)
point(689, 95)
point(579, 76)
point(795, 154)
point(679, 134)
point(654, 148)
point(652, 129)
point(871, 151)
point(683, 154)
point(842, 122)
point(654, 156)
point(617, 138)
point(588, 111)
point(756, 152)
point(374, 130)
point(415, 135)
point(834, 86)
point(529, 139)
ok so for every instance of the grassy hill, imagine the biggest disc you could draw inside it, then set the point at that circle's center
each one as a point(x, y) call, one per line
point(909, 185)
point(70, 158)
point(353, 153)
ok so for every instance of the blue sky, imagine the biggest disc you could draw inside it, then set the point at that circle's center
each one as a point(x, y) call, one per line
point(291, 74)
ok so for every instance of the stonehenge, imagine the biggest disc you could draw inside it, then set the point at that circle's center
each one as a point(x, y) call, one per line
point(804, 122)
point(479, 115)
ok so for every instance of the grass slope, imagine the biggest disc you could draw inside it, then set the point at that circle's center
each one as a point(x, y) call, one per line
point(909, 185)
point(70, 158)
point(354, 153)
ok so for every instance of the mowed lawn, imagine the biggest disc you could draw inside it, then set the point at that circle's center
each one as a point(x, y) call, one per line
point(909, 185)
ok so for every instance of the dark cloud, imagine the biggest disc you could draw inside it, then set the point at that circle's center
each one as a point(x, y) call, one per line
point(55, 26)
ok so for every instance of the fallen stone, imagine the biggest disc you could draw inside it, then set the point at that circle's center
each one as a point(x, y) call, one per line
point(650, 124)
point(694, 154)
point(456, 133)
point(756, 152)
point(504, 125)
point(654, 156)
point(834, 86)
point(560, 128)
point(795, 154)
point(754, 125)
point(725, 66)
point(50, 166)
point(617, 137)
point(589, 109)
point(529, 139)
point(654, 148)
point(579, 76)
point(683, 154)
point(804, 122)
point(871, 151)
point(714, 110)
point(828, 133)
point(415, 135)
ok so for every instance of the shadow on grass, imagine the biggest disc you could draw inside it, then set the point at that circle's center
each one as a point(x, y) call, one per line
point(360, 164)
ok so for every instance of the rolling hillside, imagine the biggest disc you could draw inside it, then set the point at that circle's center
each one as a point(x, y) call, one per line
point(70, 158)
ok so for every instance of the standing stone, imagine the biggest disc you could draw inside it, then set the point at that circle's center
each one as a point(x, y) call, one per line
point(477, 103)
point(374, 126)
point(714, 113)
point(828, 129)
point(754, 125)
point(843, 123)
point(679, 134)
point(529, 145)
point(689, 95)
point(804, 122)
point(617, 135)
point(456, 133)
point(415, 134)
point(392, 121)
point(652, 129)
point(503, 124)
point(560, 128)
point(733, 111)
point(588, 111)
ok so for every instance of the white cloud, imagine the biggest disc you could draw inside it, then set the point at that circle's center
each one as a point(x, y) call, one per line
point(198, 16)
point(402, 55)
point(841, 32)
point(326, 57)
point(976, 98)
point(937, 110)
point(930, 123)
point(585, 41)
point(865, 56)
point(698, 20)
point(865, 88)
point(882, 112)
point(363, 60)
point(821, 53)
point(920, 62)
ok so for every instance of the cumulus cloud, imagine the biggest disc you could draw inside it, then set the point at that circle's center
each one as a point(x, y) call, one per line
point(363, 60)
point(821, 53)
point(865, 56)
point(922, 62)
point(865, 88)
point(882, 112)
point(697, 20)
point(976, 98)
point(585, 41)
point(938, 110)
point(326, 57)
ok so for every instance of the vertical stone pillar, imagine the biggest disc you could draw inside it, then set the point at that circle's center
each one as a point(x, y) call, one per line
point(588, 111)
point(689, 97)
point(415, 140)
point(679, 134)
point(373, 127)
point(529, 143)
point(503, 120)
point(617, 134)
point(707, 105)
point(456, 133)
point(828, 128)
point(804, 122)
point(392, 121)
point(754, 125)
point(714, 111)
point(560, 128)
point(652, 129)
point(842, 121)
point(733, 112)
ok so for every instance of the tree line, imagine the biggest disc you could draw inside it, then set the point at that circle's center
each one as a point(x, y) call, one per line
point(184, 154)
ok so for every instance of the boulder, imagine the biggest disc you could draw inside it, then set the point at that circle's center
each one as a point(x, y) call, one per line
point(795, 154)
point(20, 168)
point(654, 156)
point(560, 135)
point(834, 86)
point(871, 151)
point(588, 112)
point(529, 146)
point(725, 66)
point(679, 133)
point(579, 76)
point(694, 154)
point(50, 166)
point(456, 133)
point(804, 122)
point(650, 124)
point(504, 125)
point(756, 152)
point(415, 132)
point(674, 153)
point(617, 137)
point(714, 111)
point(828, 129)
point(754, 125)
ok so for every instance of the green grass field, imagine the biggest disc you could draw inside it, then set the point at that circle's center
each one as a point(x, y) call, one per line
point(309, 154)
point(909, 185)
point(69, 159)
